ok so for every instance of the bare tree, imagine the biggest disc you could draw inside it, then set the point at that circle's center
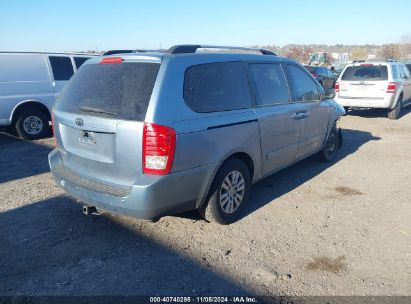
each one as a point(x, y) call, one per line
point(389, 51)
point(359, 53)
point(405, 45)
point(298, 53)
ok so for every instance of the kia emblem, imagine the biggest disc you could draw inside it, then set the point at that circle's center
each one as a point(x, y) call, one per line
point(79, 122)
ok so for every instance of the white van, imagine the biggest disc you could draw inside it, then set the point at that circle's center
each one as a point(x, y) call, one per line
point(29, 85)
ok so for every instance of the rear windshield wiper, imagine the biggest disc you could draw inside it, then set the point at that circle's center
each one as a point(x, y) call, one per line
point(96, 110)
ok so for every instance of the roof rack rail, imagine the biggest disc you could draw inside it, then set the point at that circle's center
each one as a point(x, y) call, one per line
point(49, 53)
point(355, 61)
point(192, 48)
point(112, 52)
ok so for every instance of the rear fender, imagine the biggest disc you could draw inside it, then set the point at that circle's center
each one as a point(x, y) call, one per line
point(396, 99)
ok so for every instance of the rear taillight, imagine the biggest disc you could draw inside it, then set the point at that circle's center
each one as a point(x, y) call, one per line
point(337, 87)
point(159, 144)
point(392, 86)
point(314, 75)
point(111, 60)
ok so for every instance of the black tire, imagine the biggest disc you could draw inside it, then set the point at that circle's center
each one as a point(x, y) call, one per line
point(37, 124)
point(329, 151)
point(396, 112)
point(213, 210)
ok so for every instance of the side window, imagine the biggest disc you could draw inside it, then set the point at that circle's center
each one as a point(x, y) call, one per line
point(270, 83)
point(62, 67)
point(303, 87)
point(80, 60)
point(216, 87)
point(407, 72)
point(394, 71)
point(402, 72)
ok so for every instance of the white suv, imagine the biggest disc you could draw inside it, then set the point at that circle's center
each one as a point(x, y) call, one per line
point(385, 84)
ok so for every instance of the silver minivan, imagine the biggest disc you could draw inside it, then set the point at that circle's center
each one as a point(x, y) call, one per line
point(29, 84)
point(153, 134)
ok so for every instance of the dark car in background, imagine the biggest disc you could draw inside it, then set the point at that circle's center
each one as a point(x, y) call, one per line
point(323, 75)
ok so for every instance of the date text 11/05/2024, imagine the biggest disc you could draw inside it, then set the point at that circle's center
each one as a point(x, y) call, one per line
point(203, 300)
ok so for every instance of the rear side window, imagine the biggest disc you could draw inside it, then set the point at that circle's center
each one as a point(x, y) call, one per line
point(366, 72)
point(303, 86)
point(23, 67)
point(216, 87)
point(61, 67)
point(121, 91)
point(394, 68)
point(403, 74)
point(79, 61)
point(407, 72)
point(270, 83)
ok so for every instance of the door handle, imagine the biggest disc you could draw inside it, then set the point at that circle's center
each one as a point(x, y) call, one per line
point(299, 115)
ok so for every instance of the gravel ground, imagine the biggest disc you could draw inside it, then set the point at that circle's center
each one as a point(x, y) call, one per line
point(312, 229)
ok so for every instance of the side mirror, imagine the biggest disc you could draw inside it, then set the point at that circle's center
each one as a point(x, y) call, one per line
point(329, 94)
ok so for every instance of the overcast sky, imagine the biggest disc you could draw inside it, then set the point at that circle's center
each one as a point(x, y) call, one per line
point(88, 25)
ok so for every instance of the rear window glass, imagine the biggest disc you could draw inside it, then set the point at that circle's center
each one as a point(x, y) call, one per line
point(408, 66)
point(365, 72)
point(217, 87)
point(62, 67)
point(23, 67)
point(121, 91)
point(310, 68)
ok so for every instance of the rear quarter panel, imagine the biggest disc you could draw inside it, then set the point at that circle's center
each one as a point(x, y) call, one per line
point(213, 140)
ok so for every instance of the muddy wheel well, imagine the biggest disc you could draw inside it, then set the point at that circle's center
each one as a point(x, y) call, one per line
point(244, 157)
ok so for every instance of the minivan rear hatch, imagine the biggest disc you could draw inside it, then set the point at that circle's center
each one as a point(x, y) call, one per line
point(99, 119)
point(364, 81)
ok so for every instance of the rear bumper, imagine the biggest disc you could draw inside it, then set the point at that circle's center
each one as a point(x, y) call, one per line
point(152, 197)
point(383, 103)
